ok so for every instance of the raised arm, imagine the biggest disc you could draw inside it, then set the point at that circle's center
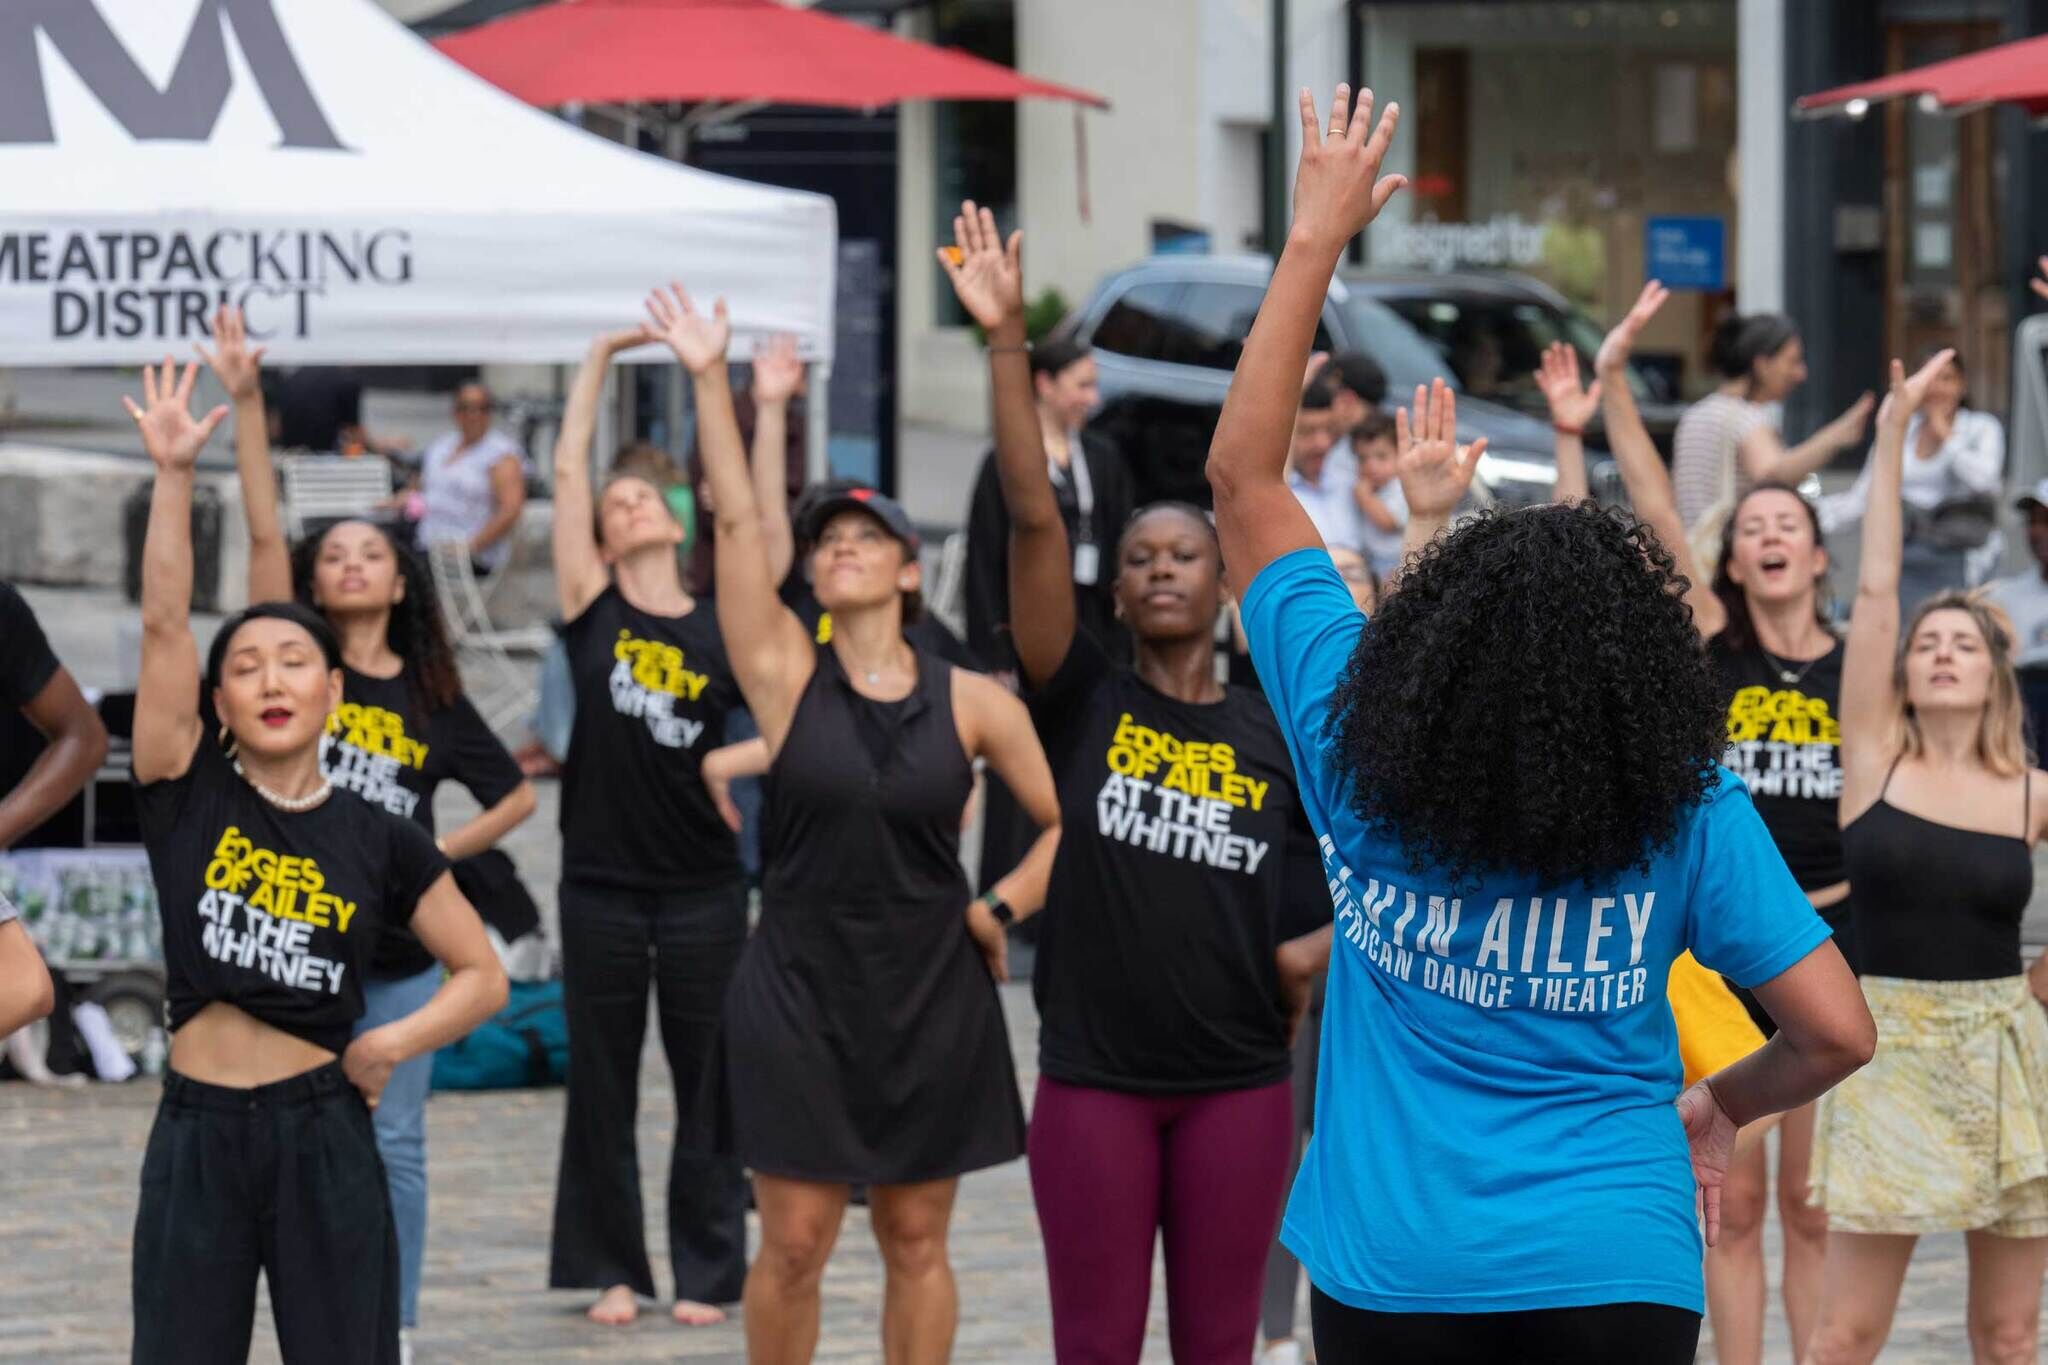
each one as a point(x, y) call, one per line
point(988, 277)
point(1867, 695)
point(239, 368)
point(1571, 408)
point(1642, 468)
point(167, 693)
point(1435, 471)
point(1765, 458)
point(771, 652)
point(1337, 191)
point(778, 377)
point(580, 573)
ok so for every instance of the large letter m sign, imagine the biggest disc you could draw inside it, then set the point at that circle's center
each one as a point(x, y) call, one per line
point(186, 109)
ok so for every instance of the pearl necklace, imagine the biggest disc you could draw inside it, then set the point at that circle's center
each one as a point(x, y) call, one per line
point(294, 804)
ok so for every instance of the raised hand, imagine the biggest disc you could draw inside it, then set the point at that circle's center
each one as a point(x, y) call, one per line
point(1571, 407)
point(169, 433)
point(1338, 188)
point(1907, 392)
point(698, 341)
point(237, 364)
point(1435, 470)
point(987, 274)
point(778, 374)
point(609, 344)
point(1710, 1136)
point(1848, 429)
point(1615, 348)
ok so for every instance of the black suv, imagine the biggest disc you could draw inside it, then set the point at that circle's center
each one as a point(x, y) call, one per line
point(1167, 334)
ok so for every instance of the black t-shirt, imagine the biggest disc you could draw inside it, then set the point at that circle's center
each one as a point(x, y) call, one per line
point(1182, 846)
point(1785, 742)
point(275, 912)
point(26, 663)
point(652, 695)
point(381, 746)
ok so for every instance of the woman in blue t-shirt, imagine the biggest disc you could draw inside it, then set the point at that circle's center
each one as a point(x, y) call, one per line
point(1511, 771)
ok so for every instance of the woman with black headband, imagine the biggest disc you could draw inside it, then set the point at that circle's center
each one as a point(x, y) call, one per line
point(273, 892)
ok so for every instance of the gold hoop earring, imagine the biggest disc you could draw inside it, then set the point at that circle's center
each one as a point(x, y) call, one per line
point(228, 743)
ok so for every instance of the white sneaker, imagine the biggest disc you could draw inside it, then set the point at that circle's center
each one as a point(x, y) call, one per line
point(405, 1346)
point(1279, 1353)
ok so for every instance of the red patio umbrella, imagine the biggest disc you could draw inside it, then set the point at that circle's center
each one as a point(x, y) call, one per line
point(2011, 73)
point(739, 51)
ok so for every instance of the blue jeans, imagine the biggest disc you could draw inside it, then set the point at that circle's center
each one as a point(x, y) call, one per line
point(555, 715)
point(401, 1122)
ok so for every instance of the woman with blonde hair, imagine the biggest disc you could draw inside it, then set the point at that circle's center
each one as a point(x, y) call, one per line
point(1947, 1131)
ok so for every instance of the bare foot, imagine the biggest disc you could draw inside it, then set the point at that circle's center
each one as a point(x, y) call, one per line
point(690, 1313)
point(616, 1307)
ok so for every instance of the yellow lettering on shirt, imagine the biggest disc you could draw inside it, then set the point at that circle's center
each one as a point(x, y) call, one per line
point(286, 887)
point(1202, 769)
point(659, 667)
point(375, 730)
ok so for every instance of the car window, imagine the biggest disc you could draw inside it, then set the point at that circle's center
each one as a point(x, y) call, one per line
point(1219, 316)
point(1140, 323)
point(1405, 356)
point(1496, 345)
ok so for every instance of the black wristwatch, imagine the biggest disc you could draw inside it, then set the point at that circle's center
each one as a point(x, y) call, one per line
point(998, 907)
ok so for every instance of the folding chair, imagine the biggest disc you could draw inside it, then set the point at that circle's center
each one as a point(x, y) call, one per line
point(499, 688)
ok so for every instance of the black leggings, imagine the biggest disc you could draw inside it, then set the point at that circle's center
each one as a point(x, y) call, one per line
point(1602, 1334)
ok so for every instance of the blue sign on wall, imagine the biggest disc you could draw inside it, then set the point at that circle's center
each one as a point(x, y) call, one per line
point(1685, 253)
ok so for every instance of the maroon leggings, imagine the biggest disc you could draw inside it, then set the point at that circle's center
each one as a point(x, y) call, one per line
point(1109, 1171)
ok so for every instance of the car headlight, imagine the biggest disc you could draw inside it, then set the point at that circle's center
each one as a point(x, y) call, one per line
point(1516, 480)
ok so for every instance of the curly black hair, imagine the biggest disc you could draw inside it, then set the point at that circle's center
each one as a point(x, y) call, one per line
point(415, 630)
point(1534, 699)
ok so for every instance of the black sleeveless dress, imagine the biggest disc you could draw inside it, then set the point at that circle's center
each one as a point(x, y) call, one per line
point(863, 1041)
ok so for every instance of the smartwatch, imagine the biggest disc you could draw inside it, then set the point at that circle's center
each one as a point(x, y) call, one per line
point(998, 907)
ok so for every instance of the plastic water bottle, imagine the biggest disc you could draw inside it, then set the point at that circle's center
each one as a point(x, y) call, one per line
point(155, 1051)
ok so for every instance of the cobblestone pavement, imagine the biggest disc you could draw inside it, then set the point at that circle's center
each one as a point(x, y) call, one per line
point(70, 1160)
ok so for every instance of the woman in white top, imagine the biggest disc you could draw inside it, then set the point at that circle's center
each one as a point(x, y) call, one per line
point(1954, 472)
point(1726, 443)
point(473, 482)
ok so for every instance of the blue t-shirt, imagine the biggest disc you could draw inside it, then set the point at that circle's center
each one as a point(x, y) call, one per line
point(1495, 1127)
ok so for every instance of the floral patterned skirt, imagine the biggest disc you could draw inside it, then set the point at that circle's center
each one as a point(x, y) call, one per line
point(1947, 1129)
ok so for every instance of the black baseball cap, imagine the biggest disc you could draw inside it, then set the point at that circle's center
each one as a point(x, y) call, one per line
point(876, 504)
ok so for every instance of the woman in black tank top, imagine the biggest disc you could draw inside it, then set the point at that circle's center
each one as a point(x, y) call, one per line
point(1944, 1131)
point(1763, 615)
point(863, 1040)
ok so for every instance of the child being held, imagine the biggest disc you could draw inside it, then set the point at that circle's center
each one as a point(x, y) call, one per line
point(1378, 492)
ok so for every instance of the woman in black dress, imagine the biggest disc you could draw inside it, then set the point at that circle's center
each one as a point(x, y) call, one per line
point(274, 891)
point(863, 1039)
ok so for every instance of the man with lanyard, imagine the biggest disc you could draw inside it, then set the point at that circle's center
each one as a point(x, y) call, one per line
point(1093, 487)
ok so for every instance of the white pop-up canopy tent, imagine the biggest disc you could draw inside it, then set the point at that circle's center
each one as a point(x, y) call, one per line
point(361, 197)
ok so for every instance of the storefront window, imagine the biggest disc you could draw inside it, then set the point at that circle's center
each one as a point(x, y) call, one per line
point(975, 141)
point(1558, 141)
